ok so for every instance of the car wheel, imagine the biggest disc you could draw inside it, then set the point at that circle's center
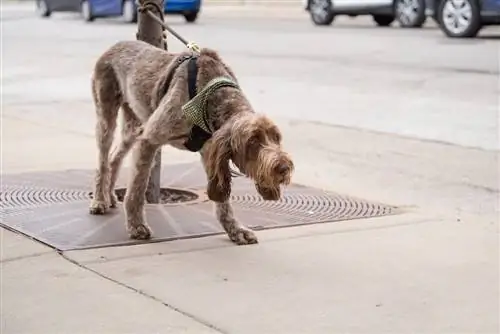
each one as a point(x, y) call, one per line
point(459, 18)
point(410, 13)
point(129, 13)
point(191, 16)
point(383, 20)
point(321, 12)
point(86, 11)
point(42, 8)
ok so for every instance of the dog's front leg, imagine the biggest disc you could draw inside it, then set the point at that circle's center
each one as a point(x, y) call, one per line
point(144, 153)
point(219, 191)
point(238, 233)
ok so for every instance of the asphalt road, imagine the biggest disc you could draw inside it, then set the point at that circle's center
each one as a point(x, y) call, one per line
point(413, 82)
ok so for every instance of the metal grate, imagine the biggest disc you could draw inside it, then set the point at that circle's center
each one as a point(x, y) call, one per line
point(53, 208)
point(313, 207)
point(23, 197)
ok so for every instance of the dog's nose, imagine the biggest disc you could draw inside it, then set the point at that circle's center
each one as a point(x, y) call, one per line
point(282, 169)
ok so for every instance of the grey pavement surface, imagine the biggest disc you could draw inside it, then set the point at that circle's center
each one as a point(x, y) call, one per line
point(405, 117)
point(439, 89)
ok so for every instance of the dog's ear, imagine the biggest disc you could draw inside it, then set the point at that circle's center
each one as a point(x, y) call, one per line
point(216, 160)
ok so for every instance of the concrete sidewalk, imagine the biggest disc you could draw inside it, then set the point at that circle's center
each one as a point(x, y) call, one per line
point(433, 269)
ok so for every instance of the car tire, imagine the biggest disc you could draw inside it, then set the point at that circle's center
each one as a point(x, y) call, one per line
point(129, 12)
point(410, 13)
point(321, 12)
point(42, 8)
point(86, 11)
point(383, 20)
point(191, 16)
point(448, 15)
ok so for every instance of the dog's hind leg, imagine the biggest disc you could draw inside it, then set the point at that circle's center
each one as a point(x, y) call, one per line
point(131, 129)
point(107, 100)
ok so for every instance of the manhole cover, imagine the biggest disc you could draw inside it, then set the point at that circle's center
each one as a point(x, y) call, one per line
point(52, 207)
point(168, 196)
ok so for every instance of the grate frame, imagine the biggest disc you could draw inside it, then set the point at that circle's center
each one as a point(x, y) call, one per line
point(52, 207)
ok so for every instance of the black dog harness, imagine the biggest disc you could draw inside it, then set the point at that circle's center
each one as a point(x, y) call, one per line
point(198, 136)
point(195, 109)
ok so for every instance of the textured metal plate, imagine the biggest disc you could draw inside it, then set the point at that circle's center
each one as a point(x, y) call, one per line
point(52, 207)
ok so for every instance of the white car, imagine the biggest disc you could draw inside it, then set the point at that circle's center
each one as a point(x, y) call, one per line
point(409, 13)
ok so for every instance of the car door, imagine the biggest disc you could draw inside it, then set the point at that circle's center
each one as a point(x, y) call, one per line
point(106, 7)
point(345, 4)
point(64, 5)
point(491, 7)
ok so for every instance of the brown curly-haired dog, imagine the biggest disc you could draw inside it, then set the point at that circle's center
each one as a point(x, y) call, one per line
point(133, 75)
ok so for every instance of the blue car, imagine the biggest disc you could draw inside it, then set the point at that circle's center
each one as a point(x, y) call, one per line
point(464, 18)
point(91, 9)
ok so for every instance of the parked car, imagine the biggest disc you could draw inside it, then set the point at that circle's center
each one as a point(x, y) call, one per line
point(409, 13)
point(91, 9)
point(464, 18)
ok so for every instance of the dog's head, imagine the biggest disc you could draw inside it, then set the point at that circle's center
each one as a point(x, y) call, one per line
point(253, 142)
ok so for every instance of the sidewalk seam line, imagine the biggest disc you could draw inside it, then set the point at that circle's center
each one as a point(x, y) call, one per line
point(144, 294)
point(22, 257)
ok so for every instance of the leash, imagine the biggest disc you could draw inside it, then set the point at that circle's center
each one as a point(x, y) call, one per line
point(147, 9)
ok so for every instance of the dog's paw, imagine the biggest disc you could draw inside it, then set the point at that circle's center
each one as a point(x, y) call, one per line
point(98, 207)
point(243, 236)
point(139, 232)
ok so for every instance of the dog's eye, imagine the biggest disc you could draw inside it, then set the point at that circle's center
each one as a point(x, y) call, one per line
point(253, 142)
point(275, 137)
point(252, 148)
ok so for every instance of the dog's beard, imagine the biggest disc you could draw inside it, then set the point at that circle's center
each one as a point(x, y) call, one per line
point(267, 182)
point(263, 171)
point(269, 193)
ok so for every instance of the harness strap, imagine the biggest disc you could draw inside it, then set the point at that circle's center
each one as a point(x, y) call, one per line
point(192, 77)
point(197, 137)
point(162, 91)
